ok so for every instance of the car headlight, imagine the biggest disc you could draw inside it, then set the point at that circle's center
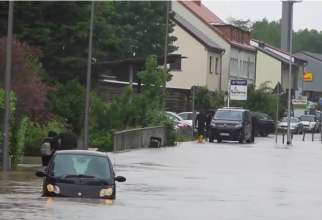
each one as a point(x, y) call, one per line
point(106, 192)
point(52, 188)
point(239, 126)
point(312, 125)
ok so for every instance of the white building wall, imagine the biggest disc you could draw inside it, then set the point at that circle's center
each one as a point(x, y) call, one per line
point(194, 67)
point(195, 21)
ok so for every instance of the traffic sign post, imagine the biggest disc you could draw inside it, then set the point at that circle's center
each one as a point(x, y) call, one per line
point(320, 116)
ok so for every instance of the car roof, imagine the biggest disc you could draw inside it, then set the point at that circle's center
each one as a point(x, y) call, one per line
point(309, 115)
point(187, 113)
point(81, 152)
point(232, 109)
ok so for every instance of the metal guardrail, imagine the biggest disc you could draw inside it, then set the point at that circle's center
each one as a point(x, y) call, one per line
point(283, 135)
point(305, 131)
point(138, 138)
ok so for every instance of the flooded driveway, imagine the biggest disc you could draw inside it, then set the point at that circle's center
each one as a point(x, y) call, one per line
point(191, 181)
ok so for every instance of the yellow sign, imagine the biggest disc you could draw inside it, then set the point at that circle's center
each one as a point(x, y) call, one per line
point(307, 77)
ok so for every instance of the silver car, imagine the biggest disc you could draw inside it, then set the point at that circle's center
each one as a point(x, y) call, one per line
point(296, 125)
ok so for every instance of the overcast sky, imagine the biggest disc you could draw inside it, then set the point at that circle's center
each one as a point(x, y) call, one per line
point(307, 14)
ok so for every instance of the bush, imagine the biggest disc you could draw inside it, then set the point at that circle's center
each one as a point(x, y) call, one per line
point(12, 118)
point(131, 111)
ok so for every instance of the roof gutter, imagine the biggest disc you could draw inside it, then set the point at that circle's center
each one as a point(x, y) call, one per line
point(220, 75)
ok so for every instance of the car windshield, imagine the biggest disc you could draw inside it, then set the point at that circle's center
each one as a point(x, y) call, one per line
point(293, 120)
point(70, 164)
point(307, 118)
point(174, 117)
point(229, 115)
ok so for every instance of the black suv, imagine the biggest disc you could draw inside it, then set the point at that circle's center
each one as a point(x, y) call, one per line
point(233, 124)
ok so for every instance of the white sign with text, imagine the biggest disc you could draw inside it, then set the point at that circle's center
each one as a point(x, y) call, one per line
point(238, 90)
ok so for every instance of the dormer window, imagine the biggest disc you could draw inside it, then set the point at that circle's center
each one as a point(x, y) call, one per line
point(237, 36)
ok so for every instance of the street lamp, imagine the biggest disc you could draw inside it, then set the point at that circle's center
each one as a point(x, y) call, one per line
point(290, 28)
point(88, 81)
point(166, 54)
point(5, 146)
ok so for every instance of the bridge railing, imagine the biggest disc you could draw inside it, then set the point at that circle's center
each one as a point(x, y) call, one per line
point(137, 138)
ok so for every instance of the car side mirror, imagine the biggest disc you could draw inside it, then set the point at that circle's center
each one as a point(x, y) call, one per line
point(120, 179)
point(40, 174)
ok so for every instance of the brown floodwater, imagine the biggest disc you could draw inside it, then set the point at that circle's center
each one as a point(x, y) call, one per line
point(190, 181)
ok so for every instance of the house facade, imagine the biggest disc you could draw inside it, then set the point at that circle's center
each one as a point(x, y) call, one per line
point(313, 75)
point(238, 61)
point(264, 71)
point(204, 58)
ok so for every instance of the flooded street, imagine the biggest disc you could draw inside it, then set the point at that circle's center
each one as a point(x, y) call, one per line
point(191, 181)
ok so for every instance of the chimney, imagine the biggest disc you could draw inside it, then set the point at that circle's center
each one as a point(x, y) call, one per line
point(197, 2)
point(261, 44)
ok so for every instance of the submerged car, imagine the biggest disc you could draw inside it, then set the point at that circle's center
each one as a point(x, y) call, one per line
point(310, 123)
point(81, 174)
point(295, 125)
point(231, 124)
point(265, 124)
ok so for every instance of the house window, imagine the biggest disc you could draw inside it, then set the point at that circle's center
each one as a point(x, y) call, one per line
point(176, 65)
point(242, 37)
point(216, 66)
point(210, 65)
point(237, 36)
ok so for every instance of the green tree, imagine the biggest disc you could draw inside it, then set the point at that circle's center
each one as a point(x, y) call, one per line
point(146, 21)
point(69, 102)
point(270, 32)
point(122, 30)
point(243, 24)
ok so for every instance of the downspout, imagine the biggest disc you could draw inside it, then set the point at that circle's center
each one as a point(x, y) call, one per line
point(255, 69)
point(220, 74)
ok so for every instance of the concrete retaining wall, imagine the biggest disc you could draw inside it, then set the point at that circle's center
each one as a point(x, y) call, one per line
point(137, 138)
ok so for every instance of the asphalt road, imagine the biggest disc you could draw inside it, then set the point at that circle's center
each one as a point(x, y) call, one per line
point(191, 181)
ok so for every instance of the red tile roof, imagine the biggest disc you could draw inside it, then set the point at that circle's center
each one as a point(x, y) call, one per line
point(280, 50)
point(208, 17)
point(203, 11)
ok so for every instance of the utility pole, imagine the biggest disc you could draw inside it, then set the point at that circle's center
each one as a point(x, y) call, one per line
point(166, 55)
point(5, 147)
point(89, 69)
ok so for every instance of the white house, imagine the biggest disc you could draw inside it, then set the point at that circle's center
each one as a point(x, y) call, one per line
point(204, 56)
point(281, 75)
point(238, 61)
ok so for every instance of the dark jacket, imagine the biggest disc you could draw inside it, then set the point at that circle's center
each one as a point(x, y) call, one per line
point(54, 144)
point(68, 140)
point(201, 119)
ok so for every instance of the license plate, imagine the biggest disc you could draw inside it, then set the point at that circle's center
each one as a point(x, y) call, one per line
point(224, 134)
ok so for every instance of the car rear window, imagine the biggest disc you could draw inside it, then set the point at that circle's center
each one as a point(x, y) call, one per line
point(230, 115)
point(80, 165)
point(307, 118)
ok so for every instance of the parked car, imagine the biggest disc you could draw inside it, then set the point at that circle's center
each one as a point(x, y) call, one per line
point(265, 124)
point(80, 174)
point(187, 116)
point(296, 125)
point(231, 124)
point(180, 123)
point(310, 123)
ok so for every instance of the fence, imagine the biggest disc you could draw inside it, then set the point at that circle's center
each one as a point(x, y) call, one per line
point(137, 138)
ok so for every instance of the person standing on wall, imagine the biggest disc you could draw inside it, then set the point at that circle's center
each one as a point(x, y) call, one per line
point(201, 121)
